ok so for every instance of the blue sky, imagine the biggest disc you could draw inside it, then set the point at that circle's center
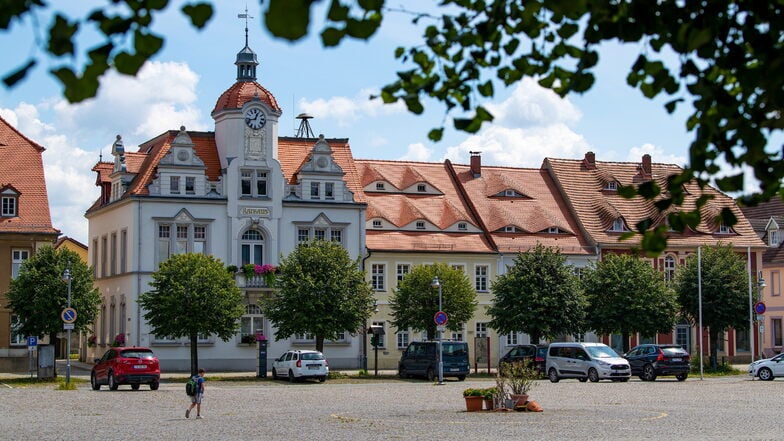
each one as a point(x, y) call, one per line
point(180, 87)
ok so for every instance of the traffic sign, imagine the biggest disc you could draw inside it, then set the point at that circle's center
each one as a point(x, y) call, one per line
point(67, 326)
point(759, 308)
point(68, 315)
point(32, 340)
point(441, 318)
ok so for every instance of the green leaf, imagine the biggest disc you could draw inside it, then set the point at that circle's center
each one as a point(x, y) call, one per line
point(199, 14)
point(60, 36)
point(288, 19)
point(16, 76)
point(436, 134)
point(332, 36)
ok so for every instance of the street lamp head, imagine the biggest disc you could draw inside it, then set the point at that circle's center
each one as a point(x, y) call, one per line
point(66, 275)
point(435, 283)
point(761, 281)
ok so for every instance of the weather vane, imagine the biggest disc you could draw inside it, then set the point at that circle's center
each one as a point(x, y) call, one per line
point(246, 16)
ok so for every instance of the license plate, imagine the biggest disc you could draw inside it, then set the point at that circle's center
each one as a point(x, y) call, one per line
point(140, 366)
point(454, 370)
point(313, 366)
point(677, 359)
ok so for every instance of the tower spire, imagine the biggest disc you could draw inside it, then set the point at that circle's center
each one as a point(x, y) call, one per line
point(246, 16)
point(246, 59)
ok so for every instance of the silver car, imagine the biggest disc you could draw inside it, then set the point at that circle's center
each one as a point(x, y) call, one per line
point(768, 369)
point(585, 361)
point(296, 365)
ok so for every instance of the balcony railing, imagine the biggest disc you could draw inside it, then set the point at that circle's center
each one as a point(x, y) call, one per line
point(251, 282)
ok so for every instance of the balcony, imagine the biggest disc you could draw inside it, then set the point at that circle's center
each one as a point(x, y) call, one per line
point(250, 282)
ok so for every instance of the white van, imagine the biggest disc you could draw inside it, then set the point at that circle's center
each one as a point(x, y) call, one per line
point(585, 361)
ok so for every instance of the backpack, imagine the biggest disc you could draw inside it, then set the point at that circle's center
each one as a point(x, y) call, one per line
point(191, 387)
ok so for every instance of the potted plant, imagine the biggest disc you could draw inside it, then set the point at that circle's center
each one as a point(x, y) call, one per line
point(473, 399)
point(119, 340)
point(249, 270)
point(518, 379)
point(490, 396)
point(249, 339)
point(268, 272)
point(231, 269)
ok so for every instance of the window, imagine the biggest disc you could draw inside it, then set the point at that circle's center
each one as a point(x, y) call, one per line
point(724, 229)
point(329, 190)
point(182, 239)
point(17, 339)
point(113, 258)
point(618, 225)
point(420, 225)
point(319, 234)
point(462, 226)
point(95, 258)
point(314, 190)
point(511, 339)
point(252, 247)
point(303, 235)
point(104, 252)
point(17, 258)
point(481, 329)
point(683, 335)
point(379, 186)
point(336, 235)
point(381, 338)
point(174, 184)
point(251, 322)
point(402, 270)
point(123, 251)
point(376, 224)
point(403, 339)
point(190, 185)
point(580, 338)
point(253, 183)
point(742, 340)
point(480, 277)
point(776, 331)
point(553, 230)
point(164, 239)
point(304, 338)
point(612, 185)
point(773, 238)
point(199, 239)
point(340, 339)
point(509, 229)
point(457, 335)
point(669, 268)
point(775, 283)
point(421, 188)
point(377, 276)
point(460, 267)
point(510, 193)
point(8, 206)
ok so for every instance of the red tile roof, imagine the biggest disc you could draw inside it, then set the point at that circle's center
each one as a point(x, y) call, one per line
point(427, 242)
point(759, 216)
point(241, 92)
point(21, 166)
point(583, 183)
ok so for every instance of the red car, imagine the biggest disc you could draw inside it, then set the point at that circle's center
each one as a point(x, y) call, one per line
point(126, 365)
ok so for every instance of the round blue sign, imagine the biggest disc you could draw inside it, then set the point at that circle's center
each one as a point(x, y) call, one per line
point(759, 308)
point(441, 318)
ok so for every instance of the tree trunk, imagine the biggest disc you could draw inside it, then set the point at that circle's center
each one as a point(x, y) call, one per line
point(194, 354)
point(625, 338)
point(320, 343)
point(714, 348)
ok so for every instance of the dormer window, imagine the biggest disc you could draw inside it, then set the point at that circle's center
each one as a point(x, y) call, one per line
point(421, 188)
point(8, 206)
point(380, 186)
point(376, 224)
point(553, 230)
point(462, 226)
point(510, 193)
point(773, 238)
point(420, 225)
point(618, 225)
point(612, 186)
point(314, 190)
point(190, 185)
point(329, 190)
point(509, 229)
point(724, 229)
point(174, 184)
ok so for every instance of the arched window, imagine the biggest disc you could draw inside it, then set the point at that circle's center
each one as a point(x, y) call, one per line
point(669, 268)
point(251, 322)
point(252, 247)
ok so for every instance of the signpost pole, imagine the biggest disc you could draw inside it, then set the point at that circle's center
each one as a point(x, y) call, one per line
point(437, 284)
point(67, 277)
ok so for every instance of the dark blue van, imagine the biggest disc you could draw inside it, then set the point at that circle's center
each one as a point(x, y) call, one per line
point(419, 359)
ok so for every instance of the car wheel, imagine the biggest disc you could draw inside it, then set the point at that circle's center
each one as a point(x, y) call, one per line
point(461, 378)
point(291, 376)
point(274, 374)
point(322, 379)
point(648, 373)
point(430, 375)
point(135, 386)
point(593, 375)
point(154, 385)
point(402, 373)
point(112, 382)
point(583, 379)
point(94, 382)
point(553, 375)
point(765, 374)
point(682, 377)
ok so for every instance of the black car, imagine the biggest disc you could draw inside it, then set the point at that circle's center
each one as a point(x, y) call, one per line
point(649, 361)
point(535, 354)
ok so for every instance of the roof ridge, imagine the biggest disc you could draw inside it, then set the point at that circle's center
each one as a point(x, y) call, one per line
point(39, 147)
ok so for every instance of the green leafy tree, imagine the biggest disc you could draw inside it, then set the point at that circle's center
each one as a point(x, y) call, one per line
point(539, 295)
point(721, 57)
point(415, 301)
point(627, 295)
point(39, 294)
point(725, 297)
point(322, 292)
point(192, 294)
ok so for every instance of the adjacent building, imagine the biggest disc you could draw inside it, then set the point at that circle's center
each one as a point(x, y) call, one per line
point(25, 226)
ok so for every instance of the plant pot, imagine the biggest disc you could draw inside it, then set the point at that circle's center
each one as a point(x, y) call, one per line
point(489, 404)
point(473, 404)
point(519, 400)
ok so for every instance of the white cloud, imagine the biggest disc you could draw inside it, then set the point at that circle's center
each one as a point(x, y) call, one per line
point(345, 111)
point(532, 105)
point(417, 152)
point(657, 155)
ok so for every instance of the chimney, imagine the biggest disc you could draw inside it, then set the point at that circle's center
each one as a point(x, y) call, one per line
point(476, 164)
point(590, 160)
point(646, 164)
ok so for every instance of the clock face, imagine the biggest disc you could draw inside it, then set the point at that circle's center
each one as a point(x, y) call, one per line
point(255, 118)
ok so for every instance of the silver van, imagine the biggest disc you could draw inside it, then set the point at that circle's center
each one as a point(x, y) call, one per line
point(585, 361)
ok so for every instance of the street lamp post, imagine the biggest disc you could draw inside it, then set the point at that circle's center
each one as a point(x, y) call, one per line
point(760, 318)
point(67, 278)
point(437, 284)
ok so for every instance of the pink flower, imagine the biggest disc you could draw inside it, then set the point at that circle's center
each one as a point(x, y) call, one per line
point(267, 269)
point(258, 269)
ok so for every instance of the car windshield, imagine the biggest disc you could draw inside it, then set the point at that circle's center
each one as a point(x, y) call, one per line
point(601, 352)
point(455, 349)
point(312, 356)
point(673, 350)
point(135, 353)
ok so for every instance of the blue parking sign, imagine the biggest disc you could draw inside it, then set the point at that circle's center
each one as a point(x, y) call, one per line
point(32, 340)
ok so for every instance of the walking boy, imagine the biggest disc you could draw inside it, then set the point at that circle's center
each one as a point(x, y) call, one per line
point(196, 398)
